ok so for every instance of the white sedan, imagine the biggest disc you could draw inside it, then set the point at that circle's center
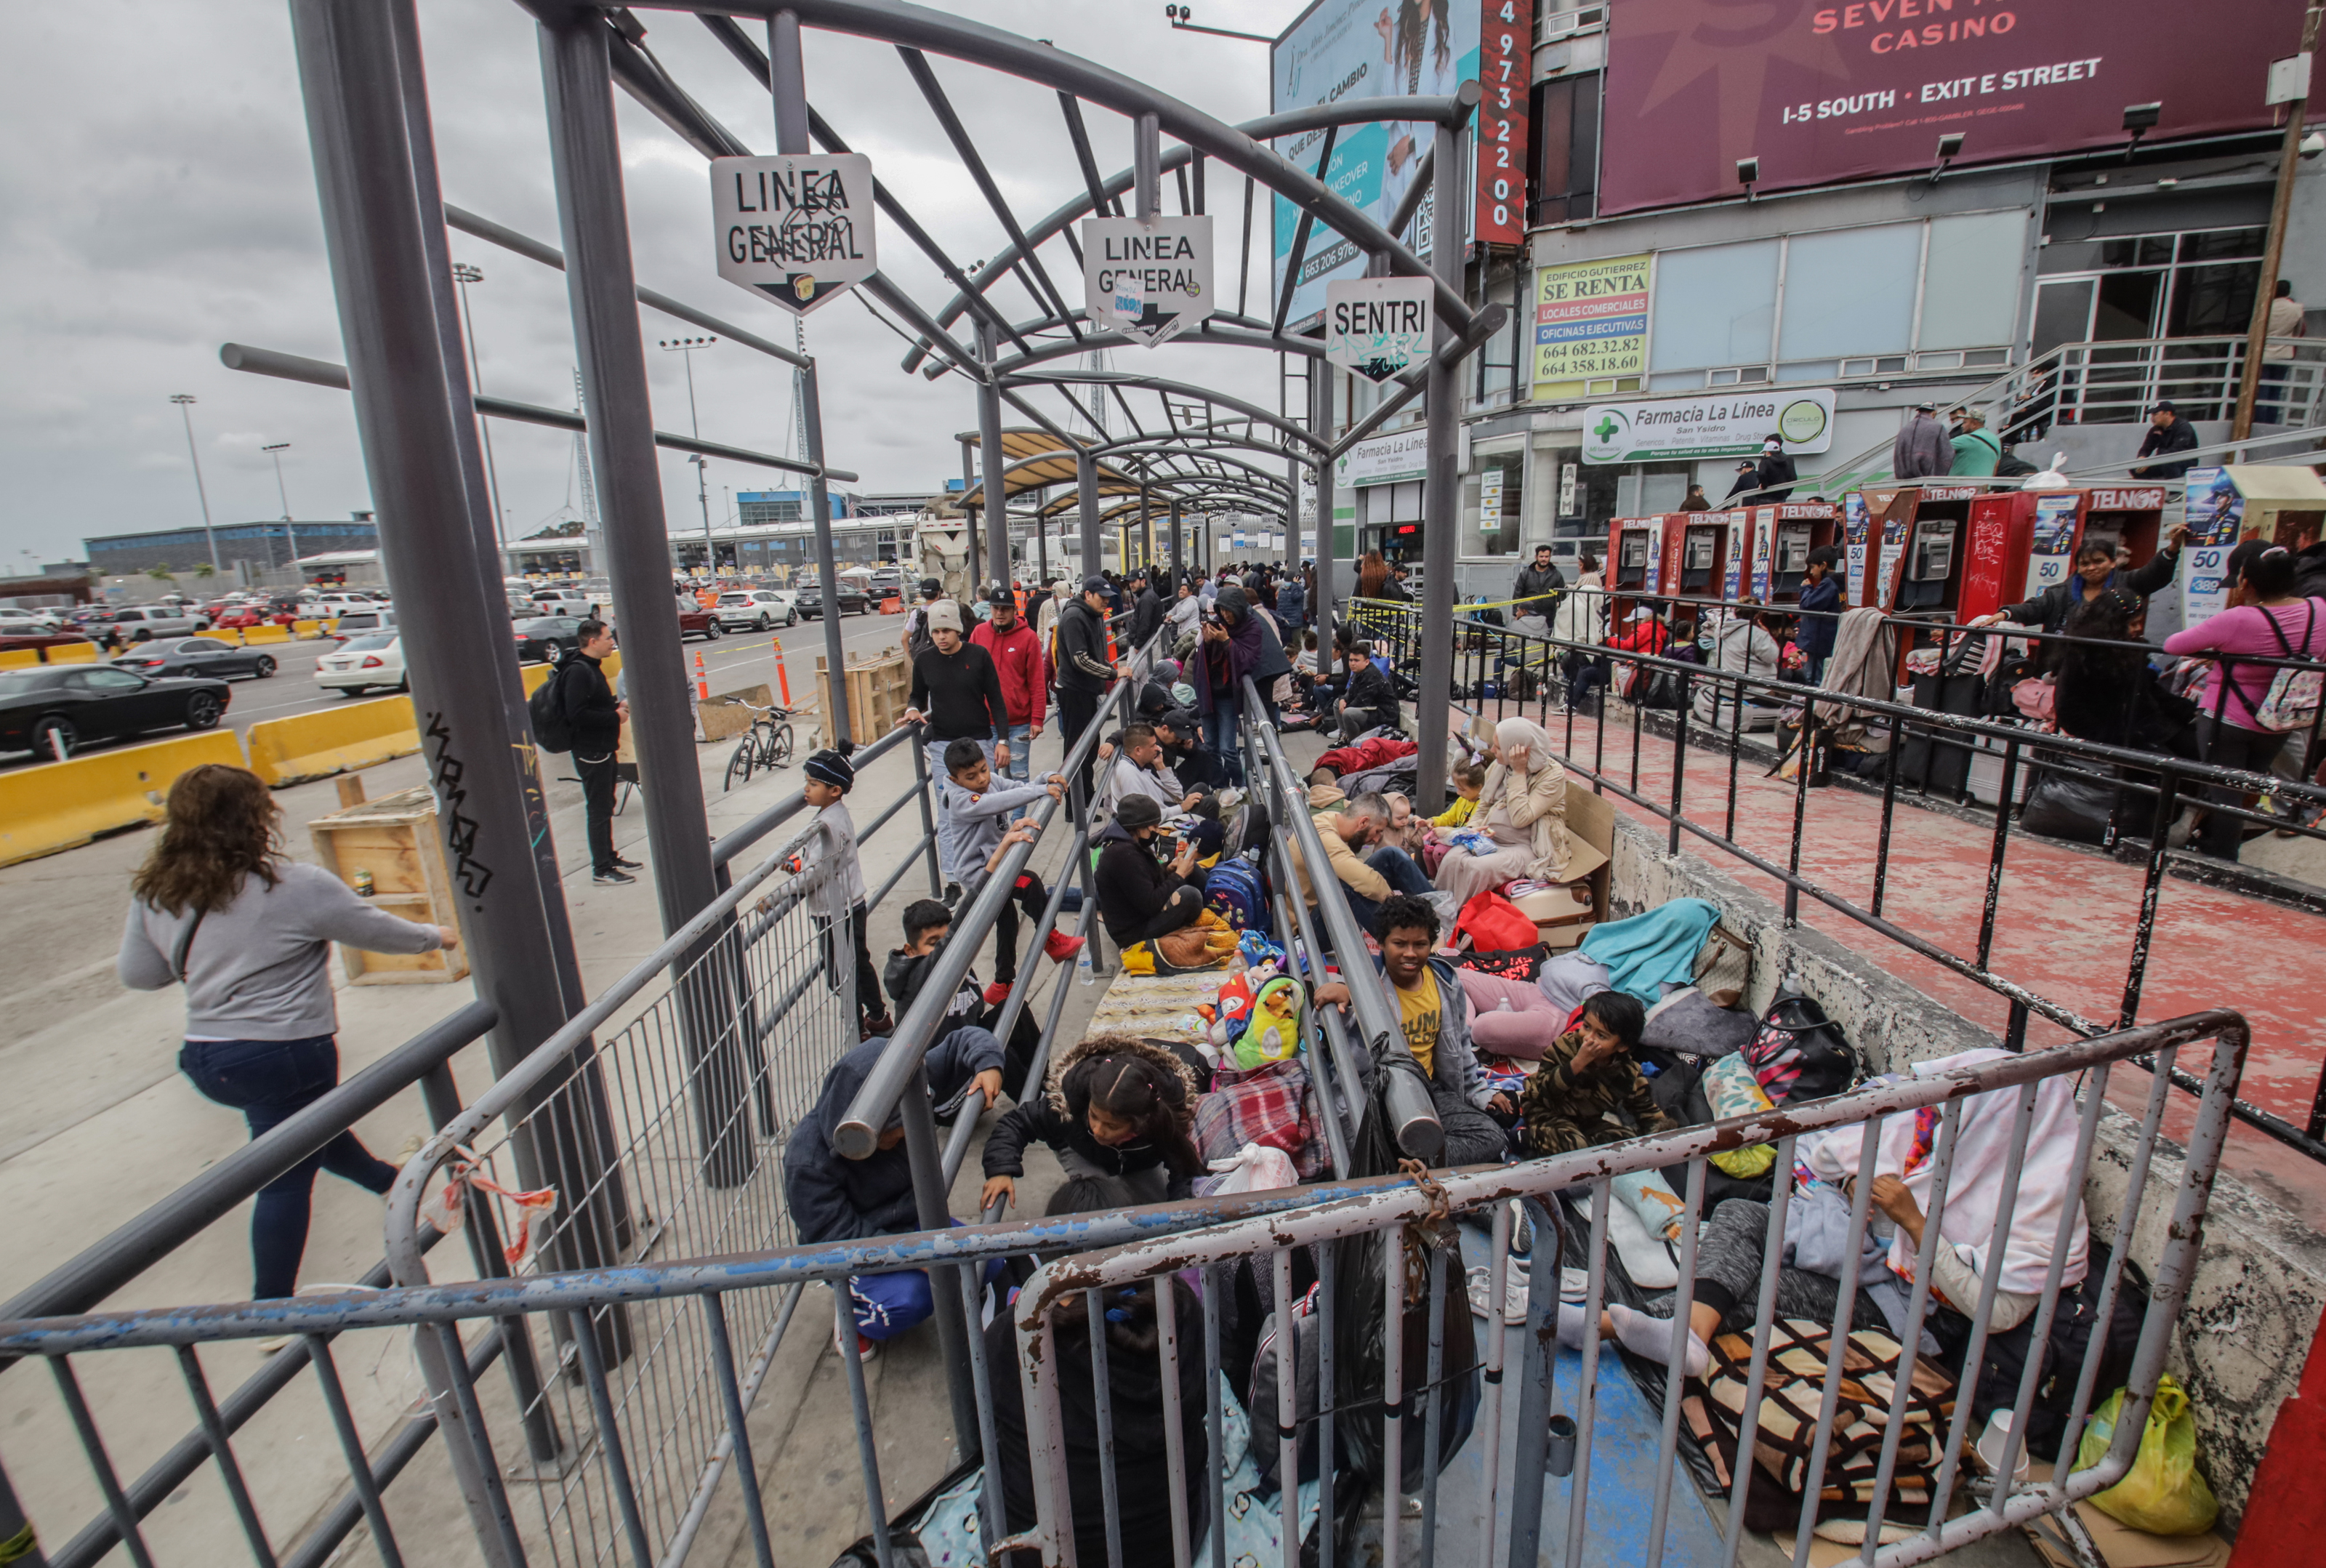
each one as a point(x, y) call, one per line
point(28, 622)
point(756, 609)
point(360, 663)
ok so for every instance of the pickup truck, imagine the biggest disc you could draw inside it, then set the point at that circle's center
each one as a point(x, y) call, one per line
point(143, 622)
point(563, 602)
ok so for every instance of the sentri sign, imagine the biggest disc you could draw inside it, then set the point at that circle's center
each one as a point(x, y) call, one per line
point(1730, 425)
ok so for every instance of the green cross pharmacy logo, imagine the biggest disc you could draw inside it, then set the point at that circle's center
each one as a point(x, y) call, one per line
point(1606, 433)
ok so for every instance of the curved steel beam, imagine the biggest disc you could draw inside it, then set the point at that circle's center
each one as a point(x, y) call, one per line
point(894, 22)
point(1207, 452)
point(1318, 117)
point(1164, 481)
point(1232, 338)
point(1159, 383)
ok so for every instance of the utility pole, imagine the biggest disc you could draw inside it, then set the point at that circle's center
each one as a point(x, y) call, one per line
point(687, 346)
point(464, 275)
point(185, 402)
point(289, 545)
point(2289, 156)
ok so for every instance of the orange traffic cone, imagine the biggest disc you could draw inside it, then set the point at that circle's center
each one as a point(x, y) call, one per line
point(702, 679)
point(783, 675)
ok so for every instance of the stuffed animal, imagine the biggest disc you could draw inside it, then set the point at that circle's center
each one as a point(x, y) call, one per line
point(1273, 1033)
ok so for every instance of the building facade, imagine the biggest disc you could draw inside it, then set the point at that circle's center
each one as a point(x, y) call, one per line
point(266, 546)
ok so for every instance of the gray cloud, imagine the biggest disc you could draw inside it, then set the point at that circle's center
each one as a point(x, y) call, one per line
point(157, 199)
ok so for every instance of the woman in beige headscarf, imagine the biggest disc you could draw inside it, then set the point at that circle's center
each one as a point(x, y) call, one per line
point(1523, 810)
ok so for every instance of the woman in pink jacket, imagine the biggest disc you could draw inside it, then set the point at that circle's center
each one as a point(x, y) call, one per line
point(2266, 619)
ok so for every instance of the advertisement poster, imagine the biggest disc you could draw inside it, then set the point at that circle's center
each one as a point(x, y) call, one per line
point(1721, 425)
point(1765, 551)
point(1731, 578)
point(1505, 68)
point(1819, 91)
point(1590, 322)
point(2216, 514)
point(1490, 500)
point(1856, 529)
point(1893, 546)
point(2054, 539)
point(1385, 459)
point(1362, 48)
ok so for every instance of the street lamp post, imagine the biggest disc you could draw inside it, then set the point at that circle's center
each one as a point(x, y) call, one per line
point(464, 275)
point(687, 346)
point(185, 402)
point(290, 546)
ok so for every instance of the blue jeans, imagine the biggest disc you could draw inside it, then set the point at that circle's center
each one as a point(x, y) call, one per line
point(267, 1080)
point(1223, 741)
point(1022, 751)
point(1397, 868)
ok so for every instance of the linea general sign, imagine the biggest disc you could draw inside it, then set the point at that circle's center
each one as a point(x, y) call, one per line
point(796, 229)
point(1148, 281)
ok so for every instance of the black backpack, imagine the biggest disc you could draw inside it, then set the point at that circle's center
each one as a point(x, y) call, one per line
point(2011, 465)
point(546, 710)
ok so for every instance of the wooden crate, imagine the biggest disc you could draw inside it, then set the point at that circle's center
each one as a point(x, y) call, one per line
point(879, 690)
point(394, 838)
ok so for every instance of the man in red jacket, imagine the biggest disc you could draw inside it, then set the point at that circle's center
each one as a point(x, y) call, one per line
point(1017, 653)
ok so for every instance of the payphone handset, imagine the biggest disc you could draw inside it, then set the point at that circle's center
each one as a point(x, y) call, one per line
point(1699, 550)
point(1792, 550)
point(1634, 556)
point(1930, 559)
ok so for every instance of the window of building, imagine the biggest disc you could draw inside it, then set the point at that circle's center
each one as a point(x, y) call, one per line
point(1714, 304)
point(1850, 291)
point(1499, 477)
point(1566, 112)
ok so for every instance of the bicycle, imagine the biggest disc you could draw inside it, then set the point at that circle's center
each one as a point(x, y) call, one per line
point(767, 743)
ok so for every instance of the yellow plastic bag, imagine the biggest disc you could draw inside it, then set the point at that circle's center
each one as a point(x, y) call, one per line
point(2162, 1493)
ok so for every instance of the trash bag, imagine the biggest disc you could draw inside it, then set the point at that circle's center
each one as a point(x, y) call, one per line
point(2162, 1493)
point(1360, 1317)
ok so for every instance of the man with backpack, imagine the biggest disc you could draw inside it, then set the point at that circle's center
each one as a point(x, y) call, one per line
point(917, 640)
point(587, 716)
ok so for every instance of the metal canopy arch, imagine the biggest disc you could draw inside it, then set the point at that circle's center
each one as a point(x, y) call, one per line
point(1162, 385)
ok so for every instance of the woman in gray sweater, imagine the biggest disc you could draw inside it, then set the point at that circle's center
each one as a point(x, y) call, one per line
point(249, 934)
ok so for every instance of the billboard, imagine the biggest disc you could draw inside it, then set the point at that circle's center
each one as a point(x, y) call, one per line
point(1720, 425)
point(1364, 49)
point(1820, 91)
point(1506, 70)
point(1590, 322)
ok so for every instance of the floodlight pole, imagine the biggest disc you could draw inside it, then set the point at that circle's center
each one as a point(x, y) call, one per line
point(185, 402)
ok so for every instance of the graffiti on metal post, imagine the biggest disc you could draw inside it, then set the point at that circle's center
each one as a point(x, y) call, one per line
point(460, 828)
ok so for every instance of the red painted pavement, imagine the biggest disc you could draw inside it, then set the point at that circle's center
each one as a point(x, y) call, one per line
point(2063, 930)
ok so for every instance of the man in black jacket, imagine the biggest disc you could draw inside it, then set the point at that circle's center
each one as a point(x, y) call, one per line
point(1535, 587)
point(1774, 469)
point(1083, 669)
point(1140, 898)
point(595, 716)
point(1145, 611)
point(2096, 573)
point(2168, 432)
point(1371, 701)
point(957, 691)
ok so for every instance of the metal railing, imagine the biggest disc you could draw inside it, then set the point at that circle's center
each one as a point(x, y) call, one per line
point(1415, 1228)
point(1504, 669)
point(2118, 382)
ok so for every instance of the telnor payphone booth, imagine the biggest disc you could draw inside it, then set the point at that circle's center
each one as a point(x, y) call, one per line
point(1922, 540)
point(1782, 538)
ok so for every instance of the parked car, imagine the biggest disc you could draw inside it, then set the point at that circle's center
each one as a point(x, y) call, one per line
point(68, 706)
point(363, 624)
point(29, 622)
point(853, 599)
point(362, 663)
point(566, 601)
point(702, 623)
point(547, 639)
point(242, 616)
point(197, 656)
point(143, 622)
point(757, 609)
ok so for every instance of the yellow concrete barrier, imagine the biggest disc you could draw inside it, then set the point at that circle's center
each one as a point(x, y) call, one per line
point(71, 653)
point(18, 658)
point(312, 745)
point(303, 629)
point(533, 675)
point(46, 807)
point(268, 633)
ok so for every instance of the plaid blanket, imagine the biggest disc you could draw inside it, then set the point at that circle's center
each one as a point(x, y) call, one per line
point(1273, 1104)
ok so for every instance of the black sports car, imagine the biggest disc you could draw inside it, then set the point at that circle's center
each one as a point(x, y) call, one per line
point(64, 707)
point(197, 656)
point(546, 638)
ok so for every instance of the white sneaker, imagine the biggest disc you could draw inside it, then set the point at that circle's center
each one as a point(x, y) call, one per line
point(1514, 1293)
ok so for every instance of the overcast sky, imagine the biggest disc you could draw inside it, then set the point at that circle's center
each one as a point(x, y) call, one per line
point(156, 200)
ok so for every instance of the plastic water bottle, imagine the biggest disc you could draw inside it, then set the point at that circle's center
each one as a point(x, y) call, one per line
point(1083, 974)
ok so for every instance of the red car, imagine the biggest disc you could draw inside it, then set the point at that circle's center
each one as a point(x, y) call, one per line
point(251, 615)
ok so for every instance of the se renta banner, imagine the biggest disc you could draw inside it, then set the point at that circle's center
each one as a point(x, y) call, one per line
point(797, 231)
point(1590, 322)
point(1377, 326)
point(1729, 425)
point(1367, 49)
point(1820, 91)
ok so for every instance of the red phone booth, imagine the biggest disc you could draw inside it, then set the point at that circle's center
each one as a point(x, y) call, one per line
point(1635, 561)
point(1697, 549)
point(1781, 538)
point(1915, 562)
